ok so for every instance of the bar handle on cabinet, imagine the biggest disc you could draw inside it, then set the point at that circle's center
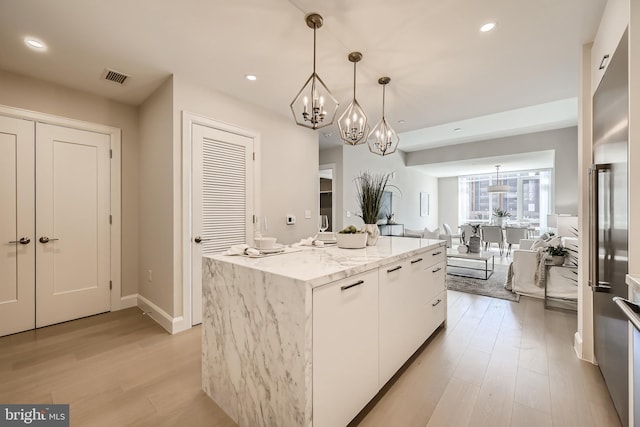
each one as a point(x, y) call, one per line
point(436, 253)
point(345, 287)
point(436, 270)
point(630, 310)
point(603, 63)
point(438, 301)
point(416, 260)
point(391, 270)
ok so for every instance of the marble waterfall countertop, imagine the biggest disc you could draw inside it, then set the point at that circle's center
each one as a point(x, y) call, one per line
point(257, 325)
point(317, 266)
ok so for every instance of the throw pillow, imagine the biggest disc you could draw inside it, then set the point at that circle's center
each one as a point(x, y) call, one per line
point(429, 234)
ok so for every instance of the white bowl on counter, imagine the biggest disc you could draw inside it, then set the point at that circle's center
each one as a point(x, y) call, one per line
point(351, 241)
point(265, 242)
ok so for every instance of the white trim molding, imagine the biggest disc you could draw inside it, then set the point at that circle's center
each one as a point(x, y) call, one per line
point(173, 325)
point(129, 301)
point(188, 121)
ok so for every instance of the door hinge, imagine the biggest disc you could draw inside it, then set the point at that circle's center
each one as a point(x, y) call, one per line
point(110, 285)
point(254, 155)
point(110, 219)
point(110, 153)
point(254, 218)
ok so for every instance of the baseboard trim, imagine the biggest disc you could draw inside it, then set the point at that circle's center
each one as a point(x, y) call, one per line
point(173, 325)
point(577, 344)
point(128, 301)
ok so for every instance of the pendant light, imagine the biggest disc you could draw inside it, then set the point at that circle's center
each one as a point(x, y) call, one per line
point(496, 189)
point(383, 140)
point(353, 124)
point(314, 106)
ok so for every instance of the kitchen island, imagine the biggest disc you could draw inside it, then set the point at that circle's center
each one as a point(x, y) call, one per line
point(310, 336)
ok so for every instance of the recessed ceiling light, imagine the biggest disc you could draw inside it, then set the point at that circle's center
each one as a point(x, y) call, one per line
point(35, 43)
point(488, 27)
point(400, 121)
point(457, 129)
point(251, 77)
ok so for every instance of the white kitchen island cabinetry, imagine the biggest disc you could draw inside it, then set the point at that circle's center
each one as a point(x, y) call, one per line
point(295, 339)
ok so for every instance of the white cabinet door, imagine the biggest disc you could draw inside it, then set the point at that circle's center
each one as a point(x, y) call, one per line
point(345, 348)
point(17, 256)
point(397, 309)
point(72, 224)
point(615, 19)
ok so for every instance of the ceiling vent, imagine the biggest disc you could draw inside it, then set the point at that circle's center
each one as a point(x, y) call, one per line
point(115, 76)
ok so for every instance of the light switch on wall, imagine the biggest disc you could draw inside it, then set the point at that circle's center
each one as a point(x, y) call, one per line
point(307, 214)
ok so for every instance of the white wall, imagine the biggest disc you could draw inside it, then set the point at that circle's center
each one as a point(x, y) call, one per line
point(448, 202)
point(410, 182)
point(563, 141)
point(156, 198)
point(36, 95)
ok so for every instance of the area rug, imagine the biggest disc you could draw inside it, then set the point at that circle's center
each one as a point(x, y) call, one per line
point(492, 287)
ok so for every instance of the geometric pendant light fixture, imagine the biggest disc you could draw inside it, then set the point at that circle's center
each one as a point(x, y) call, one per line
point(383, 140)
point(497, 188)
point(314, 106)
point(353, 125)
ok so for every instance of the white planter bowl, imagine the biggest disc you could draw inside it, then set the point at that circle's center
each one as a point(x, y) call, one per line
point(265, 242)
point(351, 241)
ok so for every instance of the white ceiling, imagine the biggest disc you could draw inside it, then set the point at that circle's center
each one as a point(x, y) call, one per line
point(442, 69)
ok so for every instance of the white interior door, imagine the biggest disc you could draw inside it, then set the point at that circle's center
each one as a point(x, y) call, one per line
point(72, 224)
point(17, 246)
point(222, 199)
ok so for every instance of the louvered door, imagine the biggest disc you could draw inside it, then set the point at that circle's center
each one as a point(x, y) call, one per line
point(222, 198)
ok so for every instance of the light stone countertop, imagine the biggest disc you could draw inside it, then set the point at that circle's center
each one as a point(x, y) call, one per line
point(633, 280)
point(318, 266)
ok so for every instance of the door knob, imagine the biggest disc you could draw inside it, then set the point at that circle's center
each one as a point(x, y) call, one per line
point(22, 241)
point(45, 239)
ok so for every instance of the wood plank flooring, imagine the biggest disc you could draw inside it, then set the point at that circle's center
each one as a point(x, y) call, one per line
point(497, 363)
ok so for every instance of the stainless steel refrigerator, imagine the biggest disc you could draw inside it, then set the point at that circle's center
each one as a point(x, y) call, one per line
point(609, 231)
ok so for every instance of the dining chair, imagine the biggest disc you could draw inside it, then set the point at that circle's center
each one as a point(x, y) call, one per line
point(492, 234)
point(449, 235)
point(513, 235)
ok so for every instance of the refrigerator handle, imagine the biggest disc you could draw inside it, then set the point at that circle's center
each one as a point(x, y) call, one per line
point(594, 220)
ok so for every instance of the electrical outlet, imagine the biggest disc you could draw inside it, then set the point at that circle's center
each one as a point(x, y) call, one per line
point(307, 214)
point(348, 214)
point(291, 219)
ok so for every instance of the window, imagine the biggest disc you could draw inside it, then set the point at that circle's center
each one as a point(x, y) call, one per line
point(528, 199)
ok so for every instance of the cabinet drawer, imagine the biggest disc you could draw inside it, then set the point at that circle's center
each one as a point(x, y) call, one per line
point(437, 312)
point(436, 280)
point(436, 255)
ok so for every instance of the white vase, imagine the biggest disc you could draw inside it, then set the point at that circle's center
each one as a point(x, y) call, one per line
point(373, 232)
point(499, 220)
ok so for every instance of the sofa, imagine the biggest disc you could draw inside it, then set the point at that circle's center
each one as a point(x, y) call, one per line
point(428, 234)
point(528, 276)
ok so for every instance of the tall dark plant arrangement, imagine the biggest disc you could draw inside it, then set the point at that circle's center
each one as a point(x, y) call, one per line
point(369, 190)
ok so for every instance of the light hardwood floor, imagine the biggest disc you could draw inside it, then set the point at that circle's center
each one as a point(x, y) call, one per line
point(497, 363)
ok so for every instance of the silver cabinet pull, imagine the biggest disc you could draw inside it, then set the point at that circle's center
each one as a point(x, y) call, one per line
point(436, 303)
point(436, 253)
point(345, 287)
point(416, 260)
point(436, 270)
point(199, 239)
point(22, 241)
point(603, 63)
point(391, 270)
point(45, 239)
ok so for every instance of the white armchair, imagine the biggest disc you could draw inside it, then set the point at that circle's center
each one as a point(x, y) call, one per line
point(561, 282)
